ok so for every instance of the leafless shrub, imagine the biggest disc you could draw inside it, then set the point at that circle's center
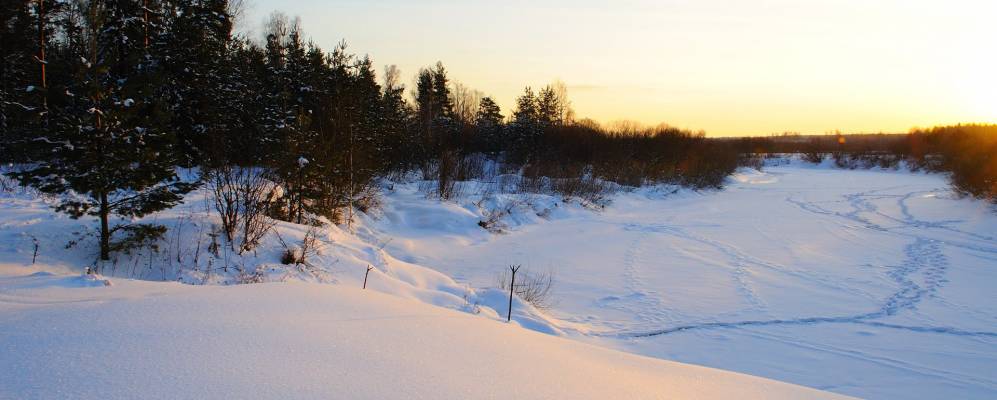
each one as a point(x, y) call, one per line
point(812, 151)
point(246, 277)
point(506, 183)
point(755, 161)
point(446, 183)
point(7, 184)
point(492, 221)
point(310, 245)
point(530, 184)
point(587, 189)
point(242, 198)
point(814, 157)
point(291, 255)
point(337, 216)
point(368, 199)
point(535, 288)
point(446, 171)
point(471, 167)
point(298, 255)
point(844, 160)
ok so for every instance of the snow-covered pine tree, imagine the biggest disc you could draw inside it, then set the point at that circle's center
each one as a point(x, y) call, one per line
point(193, 48)
point(26, 28)
point(106, 150)
point(296, 103)
point(243, 140)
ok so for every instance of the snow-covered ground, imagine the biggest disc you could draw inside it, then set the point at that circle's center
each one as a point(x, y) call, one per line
point(874, 284)
point(68, 338)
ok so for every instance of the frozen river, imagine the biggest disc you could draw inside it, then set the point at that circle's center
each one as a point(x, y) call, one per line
point(877, 284)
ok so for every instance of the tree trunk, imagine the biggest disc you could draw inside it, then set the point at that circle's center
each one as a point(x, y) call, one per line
point(105, 231)
point(301, 193)
point(145, 19)
point(349, 221)
point(41, 50)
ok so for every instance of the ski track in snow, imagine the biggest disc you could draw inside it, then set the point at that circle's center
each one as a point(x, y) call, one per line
point(924, 259)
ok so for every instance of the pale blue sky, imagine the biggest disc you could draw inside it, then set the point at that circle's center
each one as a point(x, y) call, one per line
point(726, 66)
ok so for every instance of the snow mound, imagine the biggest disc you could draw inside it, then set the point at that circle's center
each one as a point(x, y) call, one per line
point(311, 341)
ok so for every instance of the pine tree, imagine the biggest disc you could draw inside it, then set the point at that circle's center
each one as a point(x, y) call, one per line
point(298, 165)
point(26, 28)
point(444, 121)
point(525, 125)
point(488, 122)
point(425, 101)
point(434, 110)
point(397, 140)
point(192, 47)
point(370, 129)
point(548, 108)
point(105, 150)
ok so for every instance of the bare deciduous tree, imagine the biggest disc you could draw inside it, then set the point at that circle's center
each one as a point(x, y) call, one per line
point(465, 102)
point(392, 77)
point(565, 112)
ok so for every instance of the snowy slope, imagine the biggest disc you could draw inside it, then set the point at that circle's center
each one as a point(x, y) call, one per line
point(66, 337)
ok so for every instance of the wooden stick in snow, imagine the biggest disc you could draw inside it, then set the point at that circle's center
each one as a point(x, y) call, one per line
point(365, 276)
point(512, 286)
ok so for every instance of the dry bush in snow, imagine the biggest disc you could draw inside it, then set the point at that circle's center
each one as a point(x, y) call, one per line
point(242, 197)
point(532, 287)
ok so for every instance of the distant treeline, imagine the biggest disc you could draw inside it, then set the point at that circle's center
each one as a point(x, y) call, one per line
point(108, 99)
point(967, 152)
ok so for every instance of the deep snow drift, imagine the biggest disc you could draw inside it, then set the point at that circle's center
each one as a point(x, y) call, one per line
point(64, 337)
point(876, 284)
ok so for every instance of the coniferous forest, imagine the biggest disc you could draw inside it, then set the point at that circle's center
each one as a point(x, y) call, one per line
point(109, 99)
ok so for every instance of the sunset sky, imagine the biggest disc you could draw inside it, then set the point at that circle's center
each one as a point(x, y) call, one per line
point(730, 67)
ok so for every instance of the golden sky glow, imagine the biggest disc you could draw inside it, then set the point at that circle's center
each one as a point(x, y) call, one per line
point(730, 67)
